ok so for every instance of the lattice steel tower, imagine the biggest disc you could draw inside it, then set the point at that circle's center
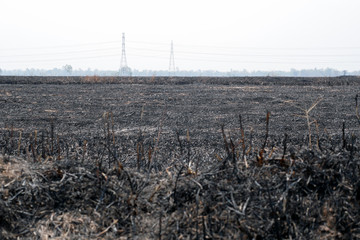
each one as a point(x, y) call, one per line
point(124, 69)
point(172, 61)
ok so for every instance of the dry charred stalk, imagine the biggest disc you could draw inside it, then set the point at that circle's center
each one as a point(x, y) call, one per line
point(142, 152)
point(160, 220)
point(32, 148)
point(109, 135)
point(52, 129)
point(343, 136)
point(84, 150)
point(180, 144)
point(357, 108)
point(284, 147)
point(139, 150)
point(130, 182)
point(226, 144)
point(318, 135)
point(142, 112)
point(108, 228)
point(9, 139)
point(112, 128)
point(151, 198)
point(43, 151)
point(233, 153)
point(35, 139)
point(307, 117)
point(153, 157)
point(260, 157)
point(188, 135)
point(19, 143)
point(267, 130)
point(58, 148)
point(152, 80)
point(188, 146)
point(150, 151)
point(176, 182)
point(243, 142)
point(47, 146)
point(197, 215)
point(138, 156)
point(274, 213)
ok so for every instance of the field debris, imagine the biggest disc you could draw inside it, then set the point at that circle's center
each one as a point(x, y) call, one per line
point(314, 195)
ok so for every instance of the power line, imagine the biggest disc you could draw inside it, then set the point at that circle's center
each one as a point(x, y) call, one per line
point(235, 47)
point(61, 46)
point(231, 47)
point(249, 55)
point(61, 59)
point(62, 53)
point(156, 51)
point(183, 53)
point(178, 58)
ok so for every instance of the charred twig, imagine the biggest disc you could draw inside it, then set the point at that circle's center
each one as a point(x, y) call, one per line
point(160, 220)
point(102, 194)
point(267, 130)
point(108, 228)
point(180, 144)
point(197, 214)
point(343, 136)
point(352, 148)
point(84, 150)
point(233, 155)
point(243, 157)
point(19, 143)
point(58, 148)
point(176, 182)
point(52, 133)
point(260, 157)
point(130, 182)
point(274, 213)
point(43, 149)
point(188, 143)
point(33, 149)
point(318, 136)
point(226, 144)
point(357, 108)
point(139, 150)
point(153, 158)
point(284, 146)
point(307, 117)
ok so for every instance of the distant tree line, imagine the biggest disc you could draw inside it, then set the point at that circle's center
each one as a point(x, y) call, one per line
point(68, 70)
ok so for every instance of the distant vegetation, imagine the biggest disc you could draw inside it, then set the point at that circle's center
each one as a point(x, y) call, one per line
point(68, 70)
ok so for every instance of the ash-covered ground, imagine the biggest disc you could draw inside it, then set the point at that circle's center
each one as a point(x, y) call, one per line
point(179, 158)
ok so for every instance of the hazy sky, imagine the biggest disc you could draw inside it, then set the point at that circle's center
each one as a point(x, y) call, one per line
point(207, 34)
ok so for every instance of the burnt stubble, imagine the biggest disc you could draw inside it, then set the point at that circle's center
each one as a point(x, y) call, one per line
point(172, 158)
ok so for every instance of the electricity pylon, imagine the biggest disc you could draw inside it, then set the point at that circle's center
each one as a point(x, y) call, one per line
point(172, 61)
point(124, 69)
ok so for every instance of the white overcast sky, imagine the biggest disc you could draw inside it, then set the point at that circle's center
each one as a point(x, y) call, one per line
point(207, 34)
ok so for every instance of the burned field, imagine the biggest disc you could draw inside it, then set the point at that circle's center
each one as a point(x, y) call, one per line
point(179, 158)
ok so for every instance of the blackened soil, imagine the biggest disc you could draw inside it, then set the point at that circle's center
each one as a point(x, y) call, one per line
point(92, 157)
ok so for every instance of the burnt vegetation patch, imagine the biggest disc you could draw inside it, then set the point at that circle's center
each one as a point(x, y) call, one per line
point(143, 165)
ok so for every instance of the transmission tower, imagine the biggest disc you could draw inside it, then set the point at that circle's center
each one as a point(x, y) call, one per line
point(124, 69)
point(172, 61)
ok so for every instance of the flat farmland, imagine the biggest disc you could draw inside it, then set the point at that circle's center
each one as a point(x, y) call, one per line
point(175, 157)
point(198, 107)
